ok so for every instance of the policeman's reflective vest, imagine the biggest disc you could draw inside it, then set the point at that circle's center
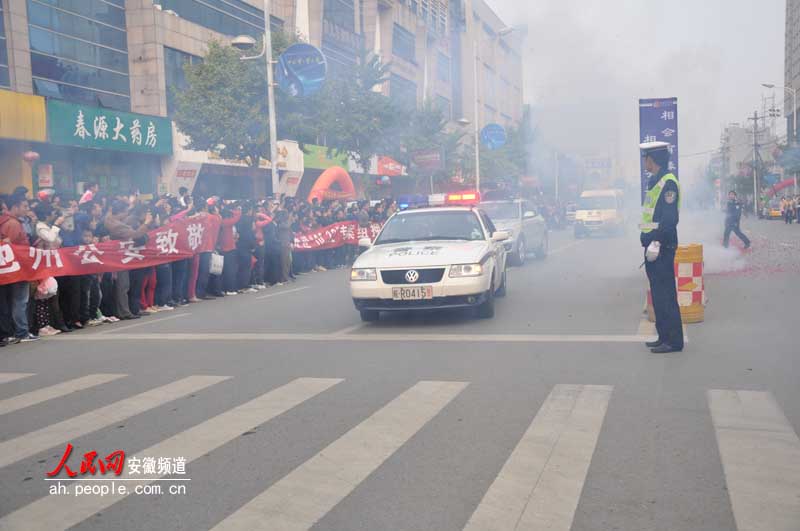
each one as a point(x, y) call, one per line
point(651, 200)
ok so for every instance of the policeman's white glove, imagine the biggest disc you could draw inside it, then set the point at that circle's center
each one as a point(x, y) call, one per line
point(652, 252)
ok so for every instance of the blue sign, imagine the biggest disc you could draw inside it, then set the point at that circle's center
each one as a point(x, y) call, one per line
point(658, 122)
point(301, 70)
point(493, 136)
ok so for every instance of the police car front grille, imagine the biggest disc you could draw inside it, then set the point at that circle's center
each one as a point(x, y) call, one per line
point(426, 276)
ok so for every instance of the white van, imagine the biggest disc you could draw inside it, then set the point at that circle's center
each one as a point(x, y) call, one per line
point(600, 211)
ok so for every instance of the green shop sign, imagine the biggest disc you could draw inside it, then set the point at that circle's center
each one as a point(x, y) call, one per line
point(84, 126)
point(316, 157)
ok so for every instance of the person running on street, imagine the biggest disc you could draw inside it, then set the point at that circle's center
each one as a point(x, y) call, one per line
point(733, 218)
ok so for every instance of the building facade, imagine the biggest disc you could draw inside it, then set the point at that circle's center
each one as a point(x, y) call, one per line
point(126, 58)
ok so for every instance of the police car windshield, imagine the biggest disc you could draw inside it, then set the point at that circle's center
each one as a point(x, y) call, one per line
point(501, 210)
point(598, 202)
point(431, 225)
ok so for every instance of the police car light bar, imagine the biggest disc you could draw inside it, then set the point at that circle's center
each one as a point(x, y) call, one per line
point(464, 198)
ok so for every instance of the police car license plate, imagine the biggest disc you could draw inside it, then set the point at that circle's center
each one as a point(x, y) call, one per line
point(416, 293)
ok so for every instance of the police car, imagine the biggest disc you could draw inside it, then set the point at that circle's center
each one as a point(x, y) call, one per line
point(431, 258)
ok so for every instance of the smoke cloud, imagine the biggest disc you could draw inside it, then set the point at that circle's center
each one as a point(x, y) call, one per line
point(587, 63)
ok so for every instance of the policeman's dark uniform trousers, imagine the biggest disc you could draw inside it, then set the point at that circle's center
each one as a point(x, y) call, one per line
point(661, 272)
point(732, 219)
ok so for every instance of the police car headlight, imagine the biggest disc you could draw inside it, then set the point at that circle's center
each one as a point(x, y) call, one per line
point(466, 270)
point(363, 274)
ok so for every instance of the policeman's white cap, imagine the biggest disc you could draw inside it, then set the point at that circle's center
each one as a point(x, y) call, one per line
point(653, 146)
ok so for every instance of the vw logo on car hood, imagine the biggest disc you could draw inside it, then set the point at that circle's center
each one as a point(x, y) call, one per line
point(412, 275)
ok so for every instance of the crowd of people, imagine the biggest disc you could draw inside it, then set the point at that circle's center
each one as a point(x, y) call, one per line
point(256, 240)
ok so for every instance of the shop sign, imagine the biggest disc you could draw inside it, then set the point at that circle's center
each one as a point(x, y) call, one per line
point(85, 126)
point(45, 174)
point(317, 157)
point(428, 159)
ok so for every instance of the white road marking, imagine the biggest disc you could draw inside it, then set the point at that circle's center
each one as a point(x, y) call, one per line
point(113, 330)
point(541, 482)
point(373, 338)
point(349, 329)
point(34, 442)
point(6, 377)
point(283, 292)
point(307, 493)
point(62, 512)
point(55, 391)
point(761, 458)
point(648, 330)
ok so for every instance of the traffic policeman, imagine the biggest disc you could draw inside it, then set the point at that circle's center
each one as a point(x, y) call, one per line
point(659, 237)
point(733, 218)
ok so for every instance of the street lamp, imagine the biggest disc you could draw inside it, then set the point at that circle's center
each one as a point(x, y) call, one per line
point(245, 42)
point(794, 116)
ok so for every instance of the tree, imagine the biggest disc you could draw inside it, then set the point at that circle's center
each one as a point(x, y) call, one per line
point(224, 108)
point(355, 119)
point(425, 128)
point(511, 161)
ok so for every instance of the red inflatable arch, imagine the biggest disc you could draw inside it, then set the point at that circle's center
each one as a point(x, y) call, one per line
point(322, 188)
point(773, 190)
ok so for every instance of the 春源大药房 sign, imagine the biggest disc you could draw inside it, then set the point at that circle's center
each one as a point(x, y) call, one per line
point(70, 124)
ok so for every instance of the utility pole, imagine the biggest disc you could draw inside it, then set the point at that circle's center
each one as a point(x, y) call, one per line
point(273, 133)
point(555, 155)
point(725, 166)
point(755, 119)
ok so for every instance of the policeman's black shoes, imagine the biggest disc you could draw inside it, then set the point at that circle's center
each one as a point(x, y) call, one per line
point(665, 348)
point(653, 344)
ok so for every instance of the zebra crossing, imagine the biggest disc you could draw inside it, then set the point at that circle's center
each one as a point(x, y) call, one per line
point(539, 486)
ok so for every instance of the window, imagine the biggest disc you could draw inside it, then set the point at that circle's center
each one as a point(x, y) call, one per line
point(62, 91)
point(78, 74)
point(79, 51)
point(229, 17)
point(98, 10)
point(443, 67)
point(65, 23)
point(403, 91)
point(403, 43)
point(49, 43)
point(174, 61)
point(4, 74)
point(342, 13)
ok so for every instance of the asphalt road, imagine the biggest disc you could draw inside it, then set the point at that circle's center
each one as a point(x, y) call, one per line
point(291, 414)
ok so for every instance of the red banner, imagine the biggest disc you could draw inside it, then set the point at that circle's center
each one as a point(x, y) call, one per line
point(177, 241)
point(336, 235)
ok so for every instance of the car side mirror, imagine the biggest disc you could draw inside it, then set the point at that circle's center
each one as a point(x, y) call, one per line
point(529, 214)
point(500, 236)
point(365, 242)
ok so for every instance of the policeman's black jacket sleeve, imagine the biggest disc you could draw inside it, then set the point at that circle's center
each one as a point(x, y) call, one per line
point(666, 215)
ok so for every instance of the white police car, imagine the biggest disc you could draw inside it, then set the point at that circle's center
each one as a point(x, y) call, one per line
point(431, 258)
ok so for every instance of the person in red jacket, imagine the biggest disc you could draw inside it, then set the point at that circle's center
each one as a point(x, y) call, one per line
point(14, 297)
point(227, 245)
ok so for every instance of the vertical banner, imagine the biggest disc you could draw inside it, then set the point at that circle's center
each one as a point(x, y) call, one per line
point(658, 122)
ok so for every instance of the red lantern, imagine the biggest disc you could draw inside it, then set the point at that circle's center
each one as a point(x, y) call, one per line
point(30, 156)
